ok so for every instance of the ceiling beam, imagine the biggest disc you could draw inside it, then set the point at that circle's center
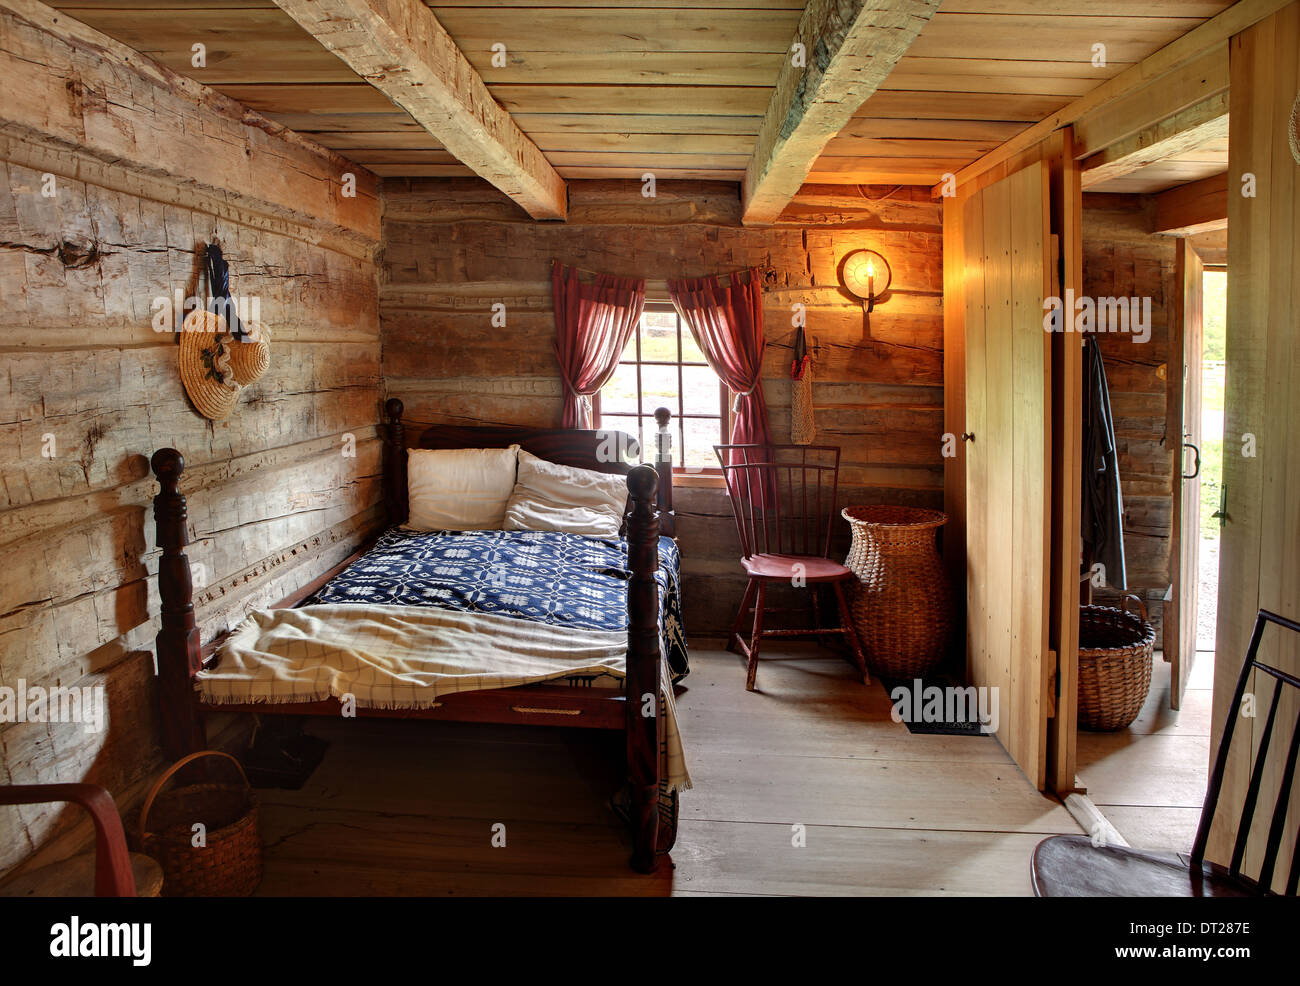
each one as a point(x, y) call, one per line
point(399, 47)
point(1185, 131)
point(1213, 34)
point(1196, 207)
point(1196, 83)
point(848, 48)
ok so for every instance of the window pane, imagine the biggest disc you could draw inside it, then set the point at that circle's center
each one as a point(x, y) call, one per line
point(690, 351)
point(619, 395)
point(658, 388)
point(699, 390)
point(629, 351)
point(701, 435)
point(659, 337)
point(617, 422)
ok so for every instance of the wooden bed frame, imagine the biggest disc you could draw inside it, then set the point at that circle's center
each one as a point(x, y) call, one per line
point(180, 655)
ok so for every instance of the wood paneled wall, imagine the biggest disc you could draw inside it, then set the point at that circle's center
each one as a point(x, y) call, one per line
point(1121, 258)
point(453, 248)
point(144, 168)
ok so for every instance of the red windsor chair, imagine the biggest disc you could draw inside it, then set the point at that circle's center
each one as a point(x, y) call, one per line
point(784, 500)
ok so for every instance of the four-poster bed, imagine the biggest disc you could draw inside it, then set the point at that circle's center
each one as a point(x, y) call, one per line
point(181, 657)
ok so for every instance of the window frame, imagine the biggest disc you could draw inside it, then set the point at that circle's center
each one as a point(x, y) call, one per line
point(679, 416)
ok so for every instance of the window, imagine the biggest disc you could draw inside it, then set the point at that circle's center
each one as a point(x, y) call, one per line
point(663, 367)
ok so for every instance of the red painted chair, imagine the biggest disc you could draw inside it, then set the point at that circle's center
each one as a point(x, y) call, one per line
point(113, 873)
point(784, 501)
point(1071, 866)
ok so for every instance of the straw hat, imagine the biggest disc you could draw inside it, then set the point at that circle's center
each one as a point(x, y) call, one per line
point(205, 364)
point(1295, 130)
point(251, 357)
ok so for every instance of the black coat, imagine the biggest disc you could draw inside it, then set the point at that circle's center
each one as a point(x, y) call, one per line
point(1103, 503)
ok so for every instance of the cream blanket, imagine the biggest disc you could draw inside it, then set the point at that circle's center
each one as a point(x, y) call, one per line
point(406, 657)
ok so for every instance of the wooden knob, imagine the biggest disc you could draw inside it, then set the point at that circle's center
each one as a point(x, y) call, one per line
point(643, 481)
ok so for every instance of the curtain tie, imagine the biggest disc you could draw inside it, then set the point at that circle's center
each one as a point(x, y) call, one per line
point(735, 401)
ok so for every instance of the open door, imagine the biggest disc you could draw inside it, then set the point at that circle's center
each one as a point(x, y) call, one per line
point(1183, 431)
point(1006, 243)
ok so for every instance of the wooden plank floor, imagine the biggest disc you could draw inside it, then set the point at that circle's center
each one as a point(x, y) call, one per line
point(1149, 779)
point(409, 808)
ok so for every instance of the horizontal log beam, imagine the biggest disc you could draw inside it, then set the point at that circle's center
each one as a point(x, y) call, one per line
point(1193, 208)
point(1187, 130)
point(399, 47)
point(848, 48)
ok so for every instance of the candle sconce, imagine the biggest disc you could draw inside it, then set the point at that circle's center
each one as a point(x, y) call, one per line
point(866, 275)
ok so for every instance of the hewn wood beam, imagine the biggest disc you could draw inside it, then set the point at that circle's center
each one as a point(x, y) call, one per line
point(1214, 33)
point(1185, 131)
point(1197, 83)
point(399, 47)
point(1193, 208)
point(850, 47)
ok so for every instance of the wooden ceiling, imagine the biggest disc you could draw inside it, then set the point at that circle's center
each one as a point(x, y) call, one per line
point(615, 88)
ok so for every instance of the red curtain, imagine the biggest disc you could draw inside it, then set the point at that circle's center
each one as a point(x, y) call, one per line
point(727, 323)
point(593, 323)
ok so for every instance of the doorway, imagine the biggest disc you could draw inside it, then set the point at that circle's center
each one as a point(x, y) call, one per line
point(1214, 296)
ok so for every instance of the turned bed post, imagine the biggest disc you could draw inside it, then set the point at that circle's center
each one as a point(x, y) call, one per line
point(664, 459)
point(644, 727)
point(395, 495)
point(177, 642)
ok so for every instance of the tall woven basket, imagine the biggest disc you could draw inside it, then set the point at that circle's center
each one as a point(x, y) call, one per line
point(1115, 651)
point(901, 606)
point(229, 864)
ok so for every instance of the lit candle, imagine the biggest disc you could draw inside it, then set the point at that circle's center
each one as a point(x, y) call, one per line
point(871, 280)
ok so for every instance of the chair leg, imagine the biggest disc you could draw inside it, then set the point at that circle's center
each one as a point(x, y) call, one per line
point(759, 601)
point(851, 632)
point(741, 613)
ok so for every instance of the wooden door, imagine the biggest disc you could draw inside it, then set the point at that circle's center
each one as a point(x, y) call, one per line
point(1258, 562)
point(1006, 243)
point(1183, 432)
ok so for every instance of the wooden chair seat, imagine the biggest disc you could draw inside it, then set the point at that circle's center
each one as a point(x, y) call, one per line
point(1071, 866)
point(815, 568)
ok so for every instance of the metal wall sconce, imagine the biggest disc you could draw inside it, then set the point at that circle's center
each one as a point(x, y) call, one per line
point(866, 275)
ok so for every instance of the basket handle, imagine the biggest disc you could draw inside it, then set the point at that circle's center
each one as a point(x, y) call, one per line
point(1123, 604)
point(170, 771)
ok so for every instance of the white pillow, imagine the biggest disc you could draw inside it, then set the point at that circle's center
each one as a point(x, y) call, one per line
point(459, 489)
point(552, 497)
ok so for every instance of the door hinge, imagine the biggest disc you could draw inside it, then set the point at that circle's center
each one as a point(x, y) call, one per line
point(1222, 512)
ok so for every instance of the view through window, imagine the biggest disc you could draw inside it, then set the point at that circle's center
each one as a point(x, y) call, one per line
point(663, 367)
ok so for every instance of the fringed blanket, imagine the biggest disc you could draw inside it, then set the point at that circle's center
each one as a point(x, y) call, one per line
point(405, 657)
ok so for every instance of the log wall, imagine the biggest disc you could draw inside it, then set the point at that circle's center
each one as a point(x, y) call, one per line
point(144, 167)
point(1122, 258)
point(453, 248)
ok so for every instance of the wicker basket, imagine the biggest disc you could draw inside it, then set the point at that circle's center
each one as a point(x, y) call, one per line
point(901, 606)
point(230, 864)
point(1115, 649)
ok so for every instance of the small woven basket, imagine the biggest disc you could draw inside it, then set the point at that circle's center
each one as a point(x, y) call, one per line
point(901, 606)
point(1115, 651)
point(230, 864)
